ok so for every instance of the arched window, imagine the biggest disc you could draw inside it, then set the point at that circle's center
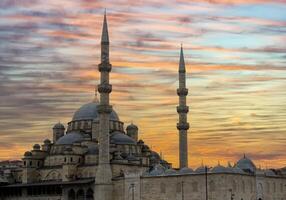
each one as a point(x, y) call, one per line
point(163, 188)
point(195, 186)
point(212, 186)
point(80, 195)
point(89, 194)
point(234, 187)
point(243, 186)
point(179, 187)
point(71, 195)
point(268, 188)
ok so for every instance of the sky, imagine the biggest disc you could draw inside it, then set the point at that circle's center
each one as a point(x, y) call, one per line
point(235, 54)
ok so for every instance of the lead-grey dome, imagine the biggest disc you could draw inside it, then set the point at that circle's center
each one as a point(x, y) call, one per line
point(59, 126)
point(246, 165)
point(70, 138)
point(89, 111)
point(219, 169)
point(121, 138)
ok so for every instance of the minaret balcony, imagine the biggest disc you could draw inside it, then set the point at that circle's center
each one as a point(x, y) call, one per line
point(183, 126)
point(104, 67)
point(182, 91)
point(104, 88)
point(182, 109)
point(107, 109)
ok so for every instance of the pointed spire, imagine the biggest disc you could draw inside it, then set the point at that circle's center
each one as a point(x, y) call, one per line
point(182, 61)
point(104, 36)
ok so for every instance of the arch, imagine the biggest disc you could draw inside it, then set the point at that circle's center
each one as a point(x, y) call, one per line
point(71, 194)
point(54, 174)
point(80, 194)
point(260, 191)
point(89, 194)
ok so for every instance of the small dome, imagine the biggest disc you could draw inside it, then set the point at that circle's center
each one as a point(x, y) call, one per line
point(186, 170)
point(219, 169)
point(59, 126)
point(170, 171)
point(47, 141)
point(269, 172)
point(201, 169)
point(157, 171)
point(93, 149)
point(246, 165)
point(131, 127)
point(27, 153)
point(36, 147)
point(121, 138)
point(89, 111)
point(70, 138)
point(131, 157)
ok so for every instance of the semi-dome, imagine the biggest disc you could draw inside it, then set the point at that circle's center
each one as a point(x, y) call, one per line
point(186, 170)
point(246, 165)
point(121, 138)
point(90, 111)
point(219, 169)
point(70, 138)
point(201, 169)
point(170, 171)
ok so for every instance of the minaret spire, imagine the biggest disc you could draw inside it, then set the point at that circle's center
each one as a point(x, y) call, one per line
point(103, 182)
point(104, 36)
point(182, 110)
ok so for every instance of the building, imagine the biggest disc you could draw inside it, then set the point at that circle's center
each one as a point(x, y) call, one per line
point(96, 158)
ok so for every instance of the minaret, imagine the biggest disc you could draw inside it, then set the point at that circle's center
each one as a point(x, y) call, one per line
point(103, 183)
point(182, 110)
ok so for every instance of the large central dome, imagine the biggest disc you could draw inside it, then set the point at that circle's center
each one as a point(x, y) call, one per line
point(89, 111)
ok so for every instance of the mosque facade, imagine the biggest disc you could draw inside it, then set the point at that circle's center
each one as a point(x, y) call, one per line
point(95, 158)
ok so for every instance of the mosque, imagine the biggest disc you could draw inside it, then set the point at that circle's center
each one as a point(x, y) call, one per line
point(95, 158)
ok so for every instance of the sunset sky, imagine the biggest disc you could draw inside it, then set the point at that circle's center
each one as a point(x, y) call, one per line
point(235, 52)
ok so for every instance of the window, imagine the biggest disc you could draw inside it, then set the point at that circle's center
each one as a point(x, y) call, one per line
point(30, 164)
point(71, 159)
point(24, 163)
point(65, 159)
point(234, 186)
point(212, 186)
point(251, 186)
point(179, 187)
point(38, 163)
point(163, 188)
point(243, 186)
point(274, 187)
point(195, 186)
point(268, 188)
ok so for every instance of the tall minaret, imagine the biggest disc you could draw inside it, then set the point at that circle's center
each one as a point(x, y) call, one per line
point(103, 183)
point(182, 110)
